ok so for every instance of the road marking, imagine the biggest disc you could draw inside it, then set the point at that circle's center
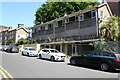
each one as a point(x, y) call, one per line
point(3, 71)
point(3, 74)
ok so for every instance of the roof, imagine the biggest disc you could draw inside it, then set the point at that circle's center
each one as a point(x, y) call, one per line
point(16, 29)
point(21, 28)
point(107, 7)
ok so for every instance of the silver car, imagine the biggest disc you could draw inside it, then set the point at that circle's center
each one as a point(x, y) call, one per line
point(29, 51)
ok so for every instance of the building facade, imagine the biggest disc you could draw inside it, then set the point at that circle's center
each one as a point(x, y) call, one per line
point(2, 28)
point(0, 38)
point(14, 33)
point(72, 33)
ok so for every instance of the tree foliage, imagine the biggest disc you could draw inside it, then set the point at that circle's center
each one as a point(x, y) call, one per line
point(22, 41)
point(53, 10)
point(11, 41)
point(110, 29)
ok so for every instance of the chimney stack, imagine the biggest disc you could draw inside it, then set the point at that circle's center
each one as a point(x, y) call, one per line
point(20, 25)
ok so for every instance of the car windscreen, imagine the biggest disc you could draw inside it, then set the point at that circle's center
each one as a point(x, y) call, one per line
point(54, 51)
point(31, 49)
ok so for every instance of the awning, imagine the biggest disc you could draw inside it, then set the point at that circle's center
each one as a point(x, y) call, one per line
point(68, 42)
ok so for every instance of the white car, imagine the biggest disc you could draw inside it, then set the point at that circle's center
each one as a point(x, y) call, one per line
point(29, 51)
point(52, 54)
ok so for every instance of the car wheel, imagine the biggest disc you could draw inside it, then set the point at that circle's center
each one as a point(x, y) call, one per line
point(73, 61)
point(22, 53)
point(104, 67)
point(40, 56)
point(52, 58)
point(28, 54)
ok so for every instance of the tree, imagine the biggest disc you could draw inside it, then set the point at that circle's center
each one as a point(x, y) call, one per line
point(22, 41)
point(53, 10)
point(110, 29)
point(11, 41)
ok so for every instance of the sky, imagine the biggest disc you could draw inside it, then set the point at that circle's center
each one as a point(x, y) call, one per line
point(14, 12)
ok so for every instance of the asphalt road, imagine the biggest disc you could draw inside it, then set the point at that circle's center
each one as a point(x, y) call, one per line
point(31, 67)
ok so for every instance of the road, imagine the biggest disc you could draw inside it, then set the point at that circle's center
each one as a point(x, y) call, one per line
point(31, 67)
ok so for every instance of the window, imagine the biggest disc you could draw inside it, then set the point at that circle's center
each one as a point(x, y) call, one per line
point(5, 38)
point(76, 18)
point(42, 28)
point(63, 22)
point(46, 27)
point(59, 23)
point(54, 51)
point(55, 24)
point(88, 53)
point(31, 49)
point(49, 26)
point(12, 32)
point(87, 15)
point(67, 21)
point(39, 28)
point(101, 15)
point(6, 32)
point(96, 53)
point(45, 50)
point(25, 49)
point(71, 19)
point(93, 14)
point(81, 18)
point(107, 54)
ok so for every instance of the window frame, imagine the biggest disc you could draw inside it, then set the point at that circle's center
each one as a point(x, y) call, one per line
point(101, 15)
point(81, 19)
point(92, 14)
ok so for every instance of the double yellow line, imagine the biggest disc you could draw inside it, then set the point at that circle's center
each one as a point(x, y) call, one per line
point(5, 74)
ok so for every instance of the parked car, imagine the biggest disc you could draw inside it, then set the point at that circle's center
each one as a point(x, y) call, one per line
point(52, 54)
point(101, 59)
point(12, 49)
point(4, 48)
point(0, 47)
point(29, 51)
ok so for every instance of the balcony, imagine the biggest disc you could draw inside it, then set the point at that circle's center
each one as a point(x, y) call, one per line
point(49, 31)
point(41, 32)
point(88, 23)
point(59, 29)
point(72, 25)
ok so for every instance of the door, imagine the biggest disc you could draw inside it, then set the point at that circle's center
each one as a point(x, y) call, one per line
point(45, 53)
point(25, 51)
point(94, 58)
point(85, 59)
